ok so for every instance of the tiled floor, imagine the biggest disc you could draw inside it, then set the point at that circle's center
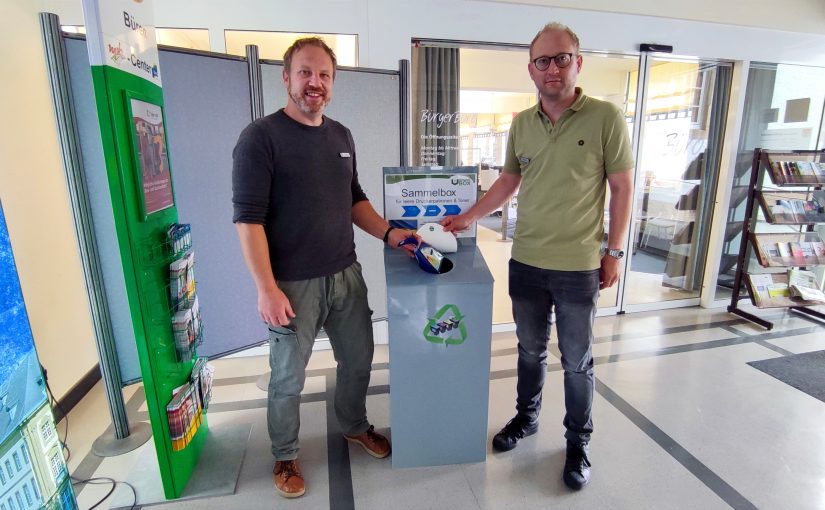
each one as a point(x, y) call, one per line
point(681, 422)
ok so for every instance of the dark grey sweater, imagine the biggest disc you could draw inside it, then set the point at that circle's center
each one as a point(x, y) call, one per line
point(300, 182)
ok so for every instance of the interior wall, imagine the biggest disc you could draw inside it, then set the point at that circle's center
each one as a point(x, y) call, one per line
point(386, 27)
point(793, 15)
point(37, 208)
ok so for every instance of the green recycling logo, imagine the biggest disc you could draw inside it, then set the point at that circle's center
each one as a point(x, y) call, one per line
point(446, 327)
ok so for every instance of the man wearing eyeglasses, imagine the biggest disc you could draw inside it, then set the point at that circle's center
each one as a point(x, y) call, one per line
point(563, 154)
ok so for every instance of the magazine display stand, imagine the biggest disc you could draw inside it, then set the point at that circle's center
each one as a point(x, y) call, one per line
point(799, 209)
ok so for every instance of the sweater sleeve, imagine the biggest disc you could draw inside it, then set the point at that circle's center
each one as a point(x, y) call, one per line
point(252, 176)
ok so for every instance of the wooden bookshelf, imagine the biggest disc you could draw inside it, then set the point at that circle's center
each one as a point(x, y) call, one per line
point(803, 207)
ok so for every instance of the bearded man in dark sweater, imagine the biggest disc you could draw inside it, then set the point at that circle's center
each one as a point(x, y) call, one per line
point(296, 196)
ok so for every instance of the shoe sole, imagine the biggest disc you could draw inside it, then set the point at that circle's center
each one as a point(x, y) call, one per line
point(362, 445)
point(290, 495)
point(502, 450)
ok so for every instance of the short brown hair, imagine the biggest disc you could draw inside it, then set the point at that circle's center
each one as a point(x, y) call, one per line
point(555, 26)
point(303, 43)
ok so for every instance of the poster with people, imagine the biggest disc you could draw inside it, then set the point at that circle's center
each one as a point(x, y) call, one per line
point(152, 157)
point(34, 473)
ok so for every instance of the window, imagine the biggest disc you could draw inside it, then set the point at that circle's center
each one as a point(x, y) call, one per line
point(8, 469)
point(34, 489)
point(272, 45)
point(192, 38)
point(2, 478)
point(17, 463)
point(25, 454)
point(11, 504)
point(57, 465)
point(19, 500)
point(28, 494)
point(46, 431)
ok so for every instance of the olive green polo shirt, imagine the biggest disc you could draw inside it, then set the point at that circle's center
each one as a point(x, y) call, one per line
point(563, 170)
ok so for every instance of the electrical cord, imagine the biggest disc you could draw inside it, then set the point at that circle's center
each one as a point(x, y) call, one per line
point(100, 480)
point(64, 444)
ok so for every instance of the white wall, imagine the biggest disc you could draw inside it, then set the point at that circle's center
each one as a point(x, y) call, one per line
point(36, 204)
point(385, 27)
point(790, 15)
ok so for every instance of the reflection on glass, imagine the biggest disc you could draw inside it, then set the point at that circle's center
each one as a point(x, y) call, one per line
point(679, 167)
point(783, 111)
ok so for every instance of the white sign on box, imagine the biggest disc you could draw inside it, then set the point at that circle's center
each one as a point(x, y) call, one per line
point(417, 198)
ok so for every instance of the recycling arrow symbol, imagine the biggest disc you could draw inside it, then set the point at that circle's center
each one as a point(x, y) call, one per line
point(446, 327)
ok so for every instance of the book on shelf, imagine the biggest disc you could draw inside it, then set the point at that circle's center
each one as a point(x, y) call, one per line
point(803, 285)
point(793, 207)
point(788, 249)
point(796, 171)
point(771, 290)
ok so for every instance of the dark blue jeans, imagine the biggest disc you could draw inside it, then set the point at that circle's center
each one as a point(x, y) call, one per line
point(535, 294)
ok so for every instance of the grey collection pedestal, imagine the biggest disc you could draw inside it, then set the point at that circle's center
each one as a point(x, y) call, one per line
point(439, 344)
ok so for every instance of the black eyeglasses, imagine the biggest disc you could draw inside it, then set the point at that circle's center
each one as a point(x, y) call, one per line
point(561, 60)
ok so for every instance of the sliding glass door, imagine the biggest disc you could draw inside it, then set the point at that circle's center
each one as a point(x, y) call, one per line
point(464, 97)
point(683, 117)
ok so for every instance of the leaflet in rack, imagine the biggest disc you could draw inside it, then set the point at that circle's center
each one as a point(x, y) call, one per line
point(189, 401)
point(185, 308)
point(787, 250)
point(772, 290)
point(796, 171)
point(793, 208)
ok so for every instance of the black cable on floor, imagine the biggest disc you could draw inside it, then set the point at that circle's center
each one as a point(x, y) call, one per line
point(64, 444)
point(105, 479)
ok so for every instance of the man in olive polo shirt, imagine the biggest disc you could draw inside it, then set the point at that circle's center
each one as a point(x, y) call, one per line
point(563, 154)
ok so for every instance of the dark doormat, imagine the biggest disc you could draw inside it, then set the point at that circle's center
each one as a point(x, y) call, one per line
point(805, 372)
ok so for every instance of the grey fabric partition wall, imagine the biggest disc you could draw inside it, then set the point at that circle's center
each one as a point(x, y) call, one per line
point(97, 186)
point(368, 103)
point(206, 105)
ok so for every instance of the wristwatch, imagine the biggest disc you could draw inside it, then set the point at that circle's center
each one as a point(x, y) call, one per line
point(615, 253)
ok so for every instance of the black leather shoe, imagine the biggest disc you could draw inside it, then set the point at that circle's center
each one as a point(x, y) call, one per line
point(516, 429)
point(577, 466)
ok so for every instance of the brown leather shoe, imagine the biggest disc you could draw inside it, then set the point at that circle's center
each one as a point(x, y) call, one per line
point(288, 479)
point(374, 443)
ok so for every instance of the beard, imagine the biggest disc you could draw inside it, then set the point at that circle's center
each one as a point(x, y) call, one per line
point(298, 96)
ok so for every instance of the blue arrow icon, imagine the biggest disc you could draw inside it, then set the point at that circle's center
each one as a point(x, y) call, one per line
point(432, 210)
point(451, 210)
point(411, 211)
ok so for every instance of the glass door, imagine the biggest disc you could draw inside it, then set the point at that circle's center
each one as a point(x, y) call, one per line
point(611, 77)
point(680, 141)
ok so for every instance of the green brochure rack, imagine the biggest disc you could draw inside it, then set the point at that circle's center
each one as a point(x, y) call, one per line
point(129, 99)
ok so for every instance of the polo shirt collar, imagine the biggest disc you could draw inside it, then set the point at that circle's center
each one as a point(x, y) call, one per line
point(577, 105)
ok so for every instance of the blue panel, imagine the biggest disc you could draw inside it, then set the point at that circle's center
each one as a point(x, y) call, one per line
point(22, 389)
